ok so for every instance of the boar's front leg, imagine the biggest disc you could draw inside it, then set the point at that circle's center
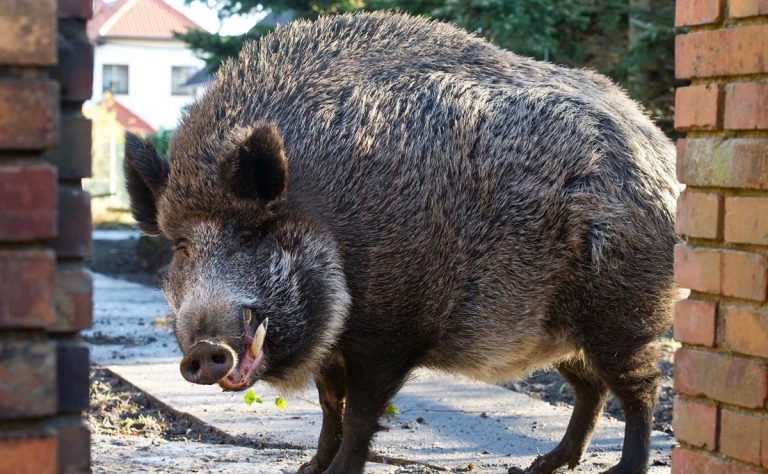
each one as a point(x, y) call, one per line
point(331, 387)
point(370, 386)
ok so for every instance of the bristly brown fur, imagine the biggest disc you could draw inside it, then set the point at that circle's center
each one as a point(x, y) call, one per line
point(445, 204)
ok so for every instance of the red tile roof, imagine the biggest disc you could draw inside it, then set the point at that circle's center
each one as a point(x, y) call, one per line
point(130, 121)
point(145, 19)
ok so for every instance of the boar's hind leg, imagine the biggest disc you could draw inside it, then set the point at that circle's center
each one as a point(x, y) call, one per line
point(331, 386)
point(369, 388)
point(590, 397)
point(634, 379)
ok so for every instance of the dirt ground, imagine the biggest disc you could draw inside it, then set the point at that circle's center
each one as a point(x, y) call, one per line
point(132, 433)
point(118, 408)
point(117, 258)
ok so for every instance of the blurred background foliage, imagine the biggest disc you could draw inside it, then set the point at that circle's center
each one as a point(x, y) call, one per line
point(631, 41)
point(161, 139)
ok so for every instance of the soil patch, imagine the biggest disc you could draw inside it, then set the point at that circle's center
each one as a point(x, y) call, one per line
point(121, 259)
point(118, 408)
point(117, 258)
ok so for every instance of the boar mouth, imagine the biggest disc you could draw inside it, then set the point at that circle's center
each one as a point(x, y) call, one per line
point(248, 367)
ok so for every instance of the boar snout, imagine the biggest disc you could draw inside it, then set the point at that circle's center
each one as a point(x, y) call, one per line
point(207, 362)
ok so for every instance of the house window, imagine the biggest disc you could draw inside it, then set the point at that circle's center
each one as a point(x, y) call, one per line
point(115, 79)
point(179, 76)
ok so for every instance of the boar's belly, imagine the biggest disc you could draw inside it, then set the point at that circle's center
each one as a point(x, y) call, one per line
point(494, 358)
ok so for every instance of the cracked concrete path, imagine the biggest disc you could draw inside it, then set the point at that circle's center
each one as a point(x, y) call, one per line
point(442, 420)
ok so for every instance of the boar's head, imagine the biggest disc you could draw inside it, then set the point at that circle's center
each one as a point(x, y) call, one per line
point(256, 286)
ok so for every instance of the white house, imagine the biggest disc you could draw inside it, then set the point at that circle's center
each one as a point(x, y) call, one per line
point(138, 60)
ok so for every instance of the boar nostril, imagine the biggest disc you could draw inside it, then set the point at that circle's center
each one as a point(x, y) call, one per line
point(207, 362)
point(192, 368)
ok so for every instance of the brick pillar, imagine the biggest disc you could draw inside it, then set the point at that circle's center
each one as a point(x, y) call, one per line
point(721, 371)
point(46, 67)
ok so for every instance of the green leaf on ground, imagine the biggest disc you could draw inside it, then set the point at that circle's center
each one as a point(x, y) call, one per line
point(280, 403)
point(250, 397)
point(390, 411)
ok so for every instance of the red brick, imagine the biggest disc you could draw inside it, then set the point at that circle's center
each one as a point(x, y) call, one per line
point(742, 382)
point(82, 9)
point(746, 220)
point(26, 288)
point(764, 448)
point(695, 322)
point(75, 67)
point(685, 461)
point(725, 52)
point(698, 107)
point(74, 236)
point(28, 114)
point(746, 105)
point(72, 299)
point(695, 423)
point(746, 329)
point(73, 157)
point(27, 378)
point(740, 436)
point(28, 34)
point(74, 453)
point(24, 453)
point(699, 214)
point(733, 163)
point(747, 8)
point(27, 202)
point(744, 274)
point(698, 12)
point(697, 268)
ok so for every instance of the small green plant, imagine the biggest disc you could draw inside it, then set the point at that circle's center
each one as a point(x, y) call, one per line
point(250, 397)
point(140, 422)
point(390, 411)
point(280, 403)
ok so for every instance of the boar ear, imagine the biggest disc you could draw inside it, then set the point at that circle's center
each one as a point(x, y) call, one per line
point(259, 169)
point(145, 174)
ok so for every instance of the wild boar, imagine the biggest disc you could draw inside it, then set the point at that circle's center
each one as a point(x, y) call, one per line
point(365, 194)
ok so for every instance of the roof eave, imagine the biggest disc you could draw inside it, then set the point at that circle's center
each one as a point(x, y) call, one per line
point(104, 39)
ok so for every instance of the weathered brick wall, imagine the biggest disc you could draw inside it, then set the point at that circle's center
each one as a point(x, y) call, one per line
point(46, 67)
point(721, 372)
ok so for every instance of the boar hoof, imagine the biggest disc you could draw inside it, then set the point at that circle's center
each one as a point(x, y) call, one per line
point(619, 469)
point(310, 467)
point(550, 462)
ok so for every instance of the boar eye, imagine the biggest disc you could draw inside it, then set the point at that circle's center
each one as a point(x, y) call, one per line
point(247, 241)
point(182, 246)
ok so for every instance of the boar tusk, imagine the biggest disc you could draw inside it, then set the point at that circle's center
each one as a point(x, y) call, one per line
point(258, 339)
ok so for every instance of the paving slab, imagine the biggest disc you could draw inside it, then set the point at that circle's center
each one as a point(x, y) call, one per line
point(442, 420)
